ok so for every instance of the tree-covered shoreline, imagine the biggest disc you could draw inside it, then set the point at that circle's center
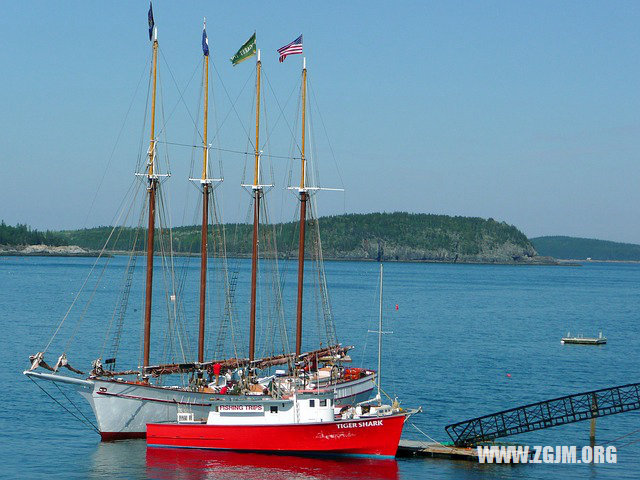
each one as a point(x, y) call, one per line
point(22, 234)
point(576, 248)
point(398, 236)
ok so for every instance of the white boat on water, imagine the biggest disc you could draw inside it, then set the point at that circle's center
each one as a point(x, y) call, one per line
point(125, 401)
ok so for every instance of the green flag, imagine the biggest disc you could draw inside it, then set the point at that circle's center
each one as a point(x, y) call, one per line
point(247, 50)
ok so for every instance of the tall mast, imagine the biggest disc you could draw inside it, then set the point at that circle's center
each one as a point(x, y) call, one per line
point(303, 214)
point(151, 188)
point(205, 200)
point(257, 193)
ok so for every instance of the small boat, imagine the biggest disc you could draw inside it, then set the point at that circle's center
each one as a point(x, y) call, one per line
point(580, 340)
point(305, 422)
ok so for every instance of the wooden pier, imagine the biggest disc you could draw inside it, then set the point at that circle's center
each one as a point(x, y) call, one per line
point(416, 448)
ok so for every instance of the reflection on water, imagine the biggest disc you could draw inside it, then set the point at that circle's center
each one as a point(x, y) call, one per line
point(172, 463)
point(119, 459)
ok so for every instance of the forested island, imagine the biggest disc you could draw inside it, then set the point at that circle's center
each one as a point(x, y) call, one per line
point(396, 236)
point(376, 236)
point(586, 249)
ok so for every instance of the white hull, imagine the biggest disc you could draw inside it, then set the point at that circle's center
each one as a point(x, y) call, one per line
point(122, 410)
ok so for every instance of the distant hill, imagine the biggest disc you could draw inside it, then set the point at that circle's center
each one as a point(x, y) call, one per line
point(375, 236)
point(583, 248)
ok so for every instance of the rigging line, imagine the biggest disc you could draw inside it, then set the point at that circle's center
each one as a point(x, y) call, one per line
point(181, 94)
point(623, 436)
point(218, 126)
point(87, 305)
point(113, 150)
point(227, 150)
point(429, 437)
point(282, 115)
point(171, 313)
point(315, 101)
point(162, 131)
point(167, 346)
point(375, 301)
point(233, 103)
point(129, 273)
point(176, 304)
point(76, 407)
point(326, 301)
point(85, 280)
point(117, 307)
point(145, 209)
point(97, 284)
point(196, 133)
point(173, 281)
point(229, 306)
point(315, 171)
point(141, 155)
point(630, 443)
point(61, 405)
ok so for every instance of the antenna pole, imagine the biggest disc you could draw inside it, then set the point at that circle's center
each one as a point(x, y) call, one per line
point(303, 213)
point(151, 188)
point(257, 193)
point(380, 335)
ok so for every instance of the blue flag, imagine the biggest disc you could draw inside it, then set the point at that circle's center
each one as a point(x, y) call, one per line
point(151, 23)
point(205, 41)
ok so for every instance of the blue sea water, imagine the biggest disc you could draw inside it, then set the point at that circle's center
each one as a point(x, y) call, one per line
point(467, 340)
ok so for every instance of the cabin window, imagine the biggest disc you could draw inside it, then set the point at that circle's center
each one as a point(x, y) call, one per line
point(312, 403)
point(323, 403)
point(331, 402)
point(274, 409)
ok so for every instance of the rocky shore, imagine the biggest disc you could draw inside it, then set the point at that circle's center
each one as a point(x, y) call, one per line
point(46, 251)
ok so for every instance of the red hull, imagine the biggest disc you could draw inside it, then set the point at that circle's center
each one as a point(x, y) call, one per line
point(372, 436)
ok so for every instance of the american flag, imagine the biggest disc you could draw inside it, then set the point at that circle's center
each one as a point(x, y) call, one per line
point(291, 49)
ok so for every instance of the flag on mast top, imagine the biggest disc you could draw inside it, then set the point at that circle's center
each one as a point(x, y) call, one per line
point(292, 48)
point(205, 39)
point(151, 22)
point(247, 50)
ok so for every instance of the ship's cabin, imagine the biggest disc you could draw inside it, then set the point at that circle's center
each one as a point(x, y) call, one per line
point(304, 407)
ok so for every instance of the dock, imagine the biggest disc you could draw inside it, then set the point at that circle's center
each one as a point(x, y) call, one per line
point(416, 448)
point(580, 340)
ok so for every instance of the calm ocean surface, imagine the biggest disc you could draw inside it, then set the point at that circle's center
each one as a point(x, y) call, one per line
point(457, 332)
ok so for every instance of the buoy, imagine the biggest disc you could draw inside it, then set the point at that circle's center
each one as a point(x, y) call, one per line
point(508, 375)
point(397, 307)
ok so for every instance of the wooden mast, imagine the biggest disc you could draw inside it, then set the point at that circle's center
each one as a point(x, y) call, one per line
point(257, 193)
point(205, 207)
point(303, 214)
point(151, 188)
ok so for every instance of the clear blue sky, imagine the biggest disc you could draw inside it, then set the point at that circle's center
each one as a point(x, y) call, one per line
point(524, 112)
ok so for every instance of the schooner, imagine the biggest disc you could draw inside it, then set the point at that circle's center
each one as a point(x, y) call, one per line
point(125, 401)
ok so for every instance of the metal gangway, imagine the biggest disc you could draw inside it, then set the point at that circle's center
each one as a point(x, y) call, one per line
point(546, 414)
